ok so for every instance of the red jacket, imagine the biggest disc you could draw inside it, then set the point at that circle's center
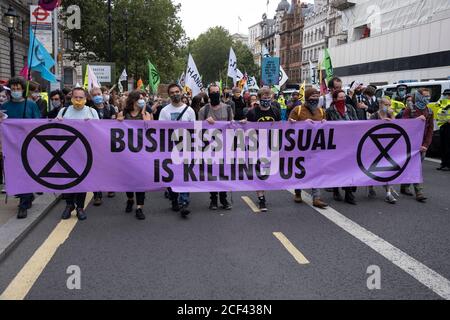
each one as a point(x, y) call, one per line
point(429, 125)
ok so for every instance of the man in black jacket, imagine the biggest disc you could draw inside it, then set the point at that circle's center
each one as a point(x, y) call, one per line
point(239, 104)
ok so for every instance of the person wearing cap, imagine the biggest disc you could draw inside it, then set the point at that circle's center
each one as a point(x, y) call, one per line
point(445, 131)
point(309, 112)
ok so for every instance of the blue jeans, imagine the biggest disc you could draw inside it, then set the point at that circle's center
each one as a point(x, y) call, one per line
point(183, 198)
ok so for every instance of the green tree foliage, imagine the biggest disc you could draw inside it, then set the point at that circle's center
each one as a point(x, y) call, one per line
point(154, 32)
point(211, 52)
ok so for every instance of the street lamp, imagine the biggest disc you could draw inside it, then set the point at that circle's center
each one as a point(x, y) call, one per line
point(11, 21)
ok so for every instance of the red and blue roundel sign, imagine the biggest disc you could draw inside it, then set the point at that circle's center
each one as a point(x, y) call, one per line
point(49, 5)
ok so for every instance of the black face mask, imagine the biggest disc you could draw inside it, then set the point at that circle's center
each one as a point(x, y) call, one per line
point(176, 98)
point(215, 98)
point(313, 103)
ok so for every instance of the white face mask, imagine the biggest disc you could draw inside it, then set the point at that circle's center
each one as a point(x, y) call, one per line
point(106, 98)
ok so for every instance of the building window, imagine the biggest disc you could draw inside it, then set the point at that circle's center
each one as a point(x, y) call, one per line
point(68, 43)
point(68, 76)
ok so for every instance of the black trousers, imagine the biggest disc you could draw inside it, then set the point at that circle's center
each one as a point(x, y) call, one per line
point(221, 195)
point(1, 169)
point(75, 199)
point(445, 145)
point(140, 197)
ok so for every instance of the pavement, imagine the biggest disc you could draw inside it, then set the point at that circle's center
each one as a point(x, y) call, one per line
point(292, 252)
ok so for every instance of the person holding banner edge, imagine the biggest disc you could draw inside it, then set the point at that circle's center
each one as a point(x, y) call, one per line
point(77, 111)
point(19, 107)
point(135, 110)
point(340, 110)
point(309, 112)
point(263, 112)
point(178, 111)
point(212, 112)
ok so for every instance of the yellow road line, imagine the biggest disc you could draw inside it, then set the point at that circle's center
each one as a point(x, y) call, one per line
point(27, 277)
point(298, 256)
point(251, 204)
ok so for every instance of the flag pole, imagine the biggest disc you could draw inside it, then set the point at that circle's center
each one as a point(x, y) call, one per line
point(29, 69)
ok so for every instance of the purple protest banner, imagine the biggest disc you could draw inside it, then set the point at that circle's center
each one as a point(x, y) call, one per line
point(83, 156)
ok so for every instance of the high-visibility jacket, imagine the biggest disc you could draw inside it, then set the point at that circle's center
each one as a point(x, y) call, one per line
point(443, 114)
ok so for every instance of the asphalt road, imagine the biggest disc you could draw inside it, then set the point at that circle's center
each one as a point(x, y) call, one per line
point(235, 255)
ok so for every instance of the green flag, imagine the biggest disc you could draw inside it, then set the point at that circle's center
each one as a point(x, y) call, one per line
point(328, 65)
point(154, 78)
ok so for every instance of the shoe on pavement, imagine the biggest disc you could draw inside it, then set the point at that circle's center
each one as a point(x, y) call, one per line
point(421, 198)
point(67, 214)
point(318, 203)
point(337, 196)
point(390, 199)
point(226, 206)
point(372, 193)
point(81, 214)
point(184, 210)
point(22, 214)
point(262, 204)
point(213, 206)
point(111, 194)
point(140, 214)
point(129, 208)
point(350, 198)
point(298, 198)
point(98, 202)
point(406, 192)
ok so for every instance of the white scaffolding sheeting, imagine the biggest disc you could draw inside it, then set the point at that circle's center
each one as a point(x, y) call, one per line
point(388, 15)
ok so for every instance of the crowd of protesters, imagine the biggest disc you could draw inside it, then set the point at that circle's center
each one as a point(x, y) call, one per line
point(214, 104)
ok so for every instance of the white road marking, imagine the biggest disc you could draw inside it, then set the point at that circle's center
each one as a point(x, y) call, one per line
point(433, 160)
point(431, 279)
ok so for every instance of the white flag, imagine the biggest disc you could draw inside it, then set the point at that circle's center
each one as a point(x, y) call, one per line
point(120, 86)
point(283, 77)
point(252, 84)
point(232, 67)
point(123, 76)
point(239, 75)
point(182, 80)
point(193, 79)
point(92, 79)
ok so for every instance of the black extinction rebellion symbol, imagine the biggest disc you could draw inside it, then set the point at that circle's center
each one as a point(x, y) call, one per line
point(57, 156)
point(398, 138)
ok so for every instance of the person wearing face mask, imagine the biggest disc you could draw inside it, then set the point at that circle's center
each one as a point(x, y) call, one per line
point(178, 111)
point(239, 104)
point(104, 109)
point(335, 84)
point(309, 112)
point(56, 100)
point(420, 110)
point(385, 113)
point(135, 110)
point(35, 95)
point(21, 108)
point(105, 112)
point(212, 112)
point(77, 111)
point(444, 130)
point(341, 111)
point(263, 112)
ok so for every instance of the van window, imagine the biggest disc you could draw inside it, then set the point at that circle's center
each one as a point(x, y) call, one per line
point(436, 91)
